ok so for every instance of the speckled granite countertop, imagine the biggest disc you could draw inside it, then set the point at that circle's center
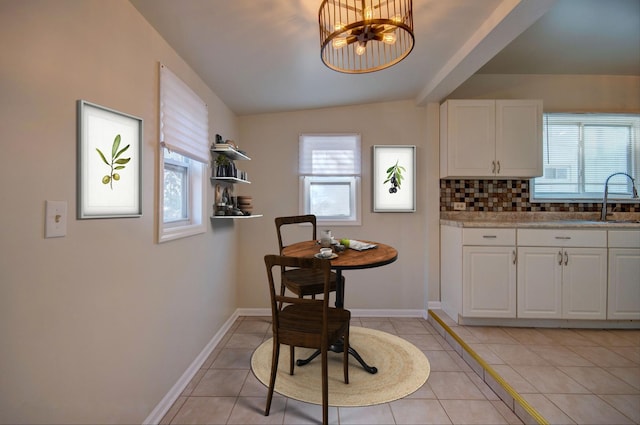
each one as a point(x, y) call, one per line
point(540, 220)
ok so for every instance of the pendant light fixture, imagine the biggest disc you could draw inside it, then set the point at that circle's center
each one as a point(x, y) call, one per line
point(359, 36)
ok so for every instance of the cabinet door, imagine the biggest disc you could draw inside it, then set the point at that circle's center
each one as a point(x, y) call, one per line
point(488, 281)
point(584, 283)
point(519, 138)
point(539, 282)
point(624, 284)
point(467, 138)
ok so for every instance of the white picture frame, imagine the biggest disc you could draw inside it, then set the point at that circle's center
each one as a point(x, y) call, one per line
point(109, 160)
point(394, 178)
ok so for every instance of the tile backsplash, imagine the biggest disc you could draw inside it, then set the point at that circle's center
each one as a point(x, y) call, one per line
point(509, 195)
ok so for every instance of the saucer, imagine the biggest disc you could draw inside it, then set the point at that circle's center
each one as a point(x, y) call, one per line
point(331, 257)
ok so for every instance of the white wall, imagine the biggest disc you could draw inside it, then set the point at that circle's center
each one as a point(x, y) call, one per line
point(272, 142)
point(95, 327)
point(560, 93)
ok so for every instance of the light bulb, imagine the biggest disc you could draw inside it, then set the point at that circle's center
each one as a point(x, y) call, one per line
point(389, 38)
point(361, 48)
point(338, 26)
point(396, 18)
point(339, 42)
point(368, 13)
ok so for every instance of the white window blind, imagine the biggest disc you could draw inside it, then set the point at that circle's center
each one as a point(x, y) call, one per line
point(581, 150)
point(184, 120)
point(335, 155)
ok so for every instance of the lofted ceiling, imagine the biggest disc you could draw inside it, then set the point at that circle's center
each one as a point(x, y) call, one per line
point(263, 56)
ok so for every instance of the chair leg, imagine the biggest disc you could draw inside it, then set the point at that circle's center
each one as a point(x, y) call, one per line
point(292, 355)
point(325, 386)
point(274, 369)
point(345, 359)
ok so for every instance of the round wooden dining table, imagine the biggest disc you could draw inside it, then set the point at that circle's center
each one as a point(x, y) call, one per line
point(349, 259)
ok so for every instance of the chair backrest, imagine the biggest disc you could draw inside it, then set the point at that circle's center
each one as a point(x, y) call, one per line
point(295, 219)
point(321, 265)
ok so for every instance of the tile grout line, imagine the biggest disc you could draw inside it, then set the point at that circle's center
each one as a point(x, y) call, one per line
point(487, 368)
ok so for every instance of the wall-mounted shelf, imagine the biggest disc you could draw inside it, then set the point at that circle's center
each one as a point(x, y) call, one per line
point(227, 217)
point(231, 153)
point(230, 180)
point(229, 176)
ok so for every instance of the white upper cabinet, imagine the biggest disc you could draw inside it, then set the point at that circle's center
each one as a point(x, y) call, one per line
point(491, 138)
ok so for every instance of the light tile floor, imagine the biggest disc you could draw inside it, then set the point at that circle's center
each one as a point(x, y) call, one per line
point(569, 376)
point(225, 391)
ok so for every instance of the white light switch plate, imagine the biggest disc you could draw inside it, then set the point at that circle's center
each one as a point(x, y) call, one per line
point(55, 222)
point(459, 206)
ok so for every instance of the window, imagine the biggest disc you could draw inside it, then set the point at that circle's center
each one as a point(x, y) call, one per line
point(176, 183)
point(184, 153)
point(329, 168)
point(582, 150)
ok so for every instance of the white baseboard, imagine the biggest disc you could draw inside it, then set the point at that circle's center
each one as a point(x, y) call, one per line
point(434, 305)
point(167, 401)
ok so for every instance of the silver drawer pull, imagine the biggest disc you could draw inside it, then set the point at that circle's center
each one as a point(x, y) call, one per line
point(489, 236)
point(563, 237)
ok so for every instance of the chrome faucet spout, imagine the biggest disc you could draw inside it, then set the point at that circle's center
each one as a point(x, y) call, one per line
point(603, 215)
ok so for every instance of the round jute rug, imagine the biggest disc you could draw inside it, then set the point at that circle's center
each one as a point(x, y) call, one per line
point(402, 369)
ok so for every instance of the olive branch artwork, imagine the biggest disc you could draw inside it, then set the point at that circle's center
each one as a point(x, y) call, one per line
point(394, 175)
point(116, 163)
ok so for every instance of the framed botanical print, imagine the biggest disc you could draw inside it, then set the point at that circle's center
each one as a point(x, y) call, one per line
point(394, 178)
point(109, 163)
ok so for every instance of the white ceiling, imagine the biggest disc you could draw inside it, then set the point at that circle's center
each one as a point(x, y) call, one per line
point(263, 56)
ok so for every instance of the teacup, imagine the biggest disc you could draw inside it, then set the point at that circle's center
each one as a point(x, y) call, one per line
point(326, 252)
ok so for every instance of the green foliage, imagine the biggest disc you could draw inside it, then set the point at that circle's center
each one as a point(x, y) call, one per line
point(222, 160)
point(116, 162)
point(394, 176)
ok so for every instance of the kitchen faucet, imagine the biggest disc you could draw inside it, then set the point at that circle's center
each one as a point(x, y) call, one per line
point(603, 216)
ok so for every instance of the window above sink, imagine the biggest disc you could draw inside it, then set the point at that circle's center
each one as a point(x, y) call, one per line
point(581, 150)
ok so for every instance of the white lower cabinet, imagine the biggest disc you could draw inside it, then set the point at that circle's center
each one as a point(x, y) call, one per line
point(533, 273)
point(539, 283)
point(478, 272)
point(562, 274)
point(489, 281)
point(624, 275)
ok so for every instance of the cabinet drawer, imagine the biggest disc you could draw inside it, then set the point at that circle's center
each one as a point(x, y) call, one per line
point(561, 237)
point(624, 238)
point(489, 237)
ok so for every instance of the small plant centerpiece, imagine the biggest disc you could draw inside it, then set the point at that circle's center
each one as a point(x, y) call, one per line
point(394, 176)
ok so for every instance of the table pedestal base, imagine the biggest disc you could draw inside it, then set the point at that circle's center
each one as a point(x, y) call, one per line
point(338, 347)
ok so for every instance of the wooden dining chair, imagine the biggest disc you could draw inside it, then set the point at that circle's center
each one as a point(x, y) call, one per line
point(302, 282)
point(304, 322)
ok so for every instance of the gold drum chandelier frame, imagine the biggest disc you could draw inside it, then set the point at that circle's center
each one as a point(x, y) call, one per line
point(359, 36)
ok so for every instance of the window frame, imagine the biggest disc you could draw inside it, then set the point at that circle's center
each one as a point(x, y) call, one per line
point(183, 130)
point(354, 201)
point(583, 120)
point(353, 179)
point(196, 208)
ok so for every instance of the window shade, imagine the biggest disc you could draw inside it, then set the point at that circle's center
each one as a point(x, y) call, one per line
point(582, 150)
point(335, 155)
point(184, 120)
